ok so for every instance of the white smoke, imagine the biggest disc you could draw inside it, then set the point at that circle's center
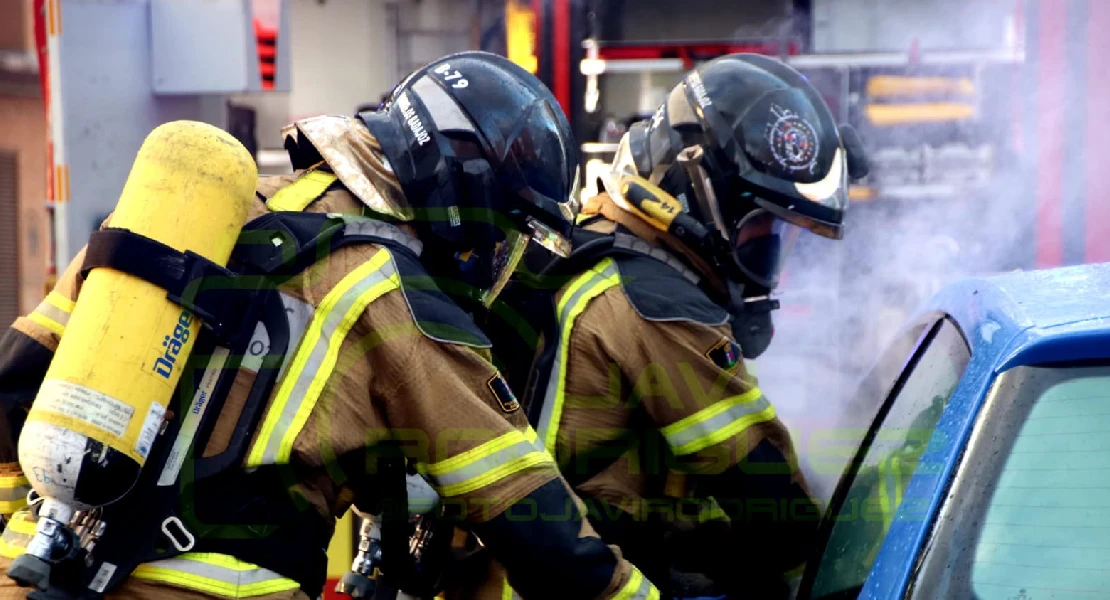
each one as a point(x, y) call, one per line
point(843, 301)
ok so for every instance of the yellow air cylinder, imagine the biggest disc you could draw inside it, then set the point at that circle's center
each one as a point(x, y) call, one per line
point(102, 402)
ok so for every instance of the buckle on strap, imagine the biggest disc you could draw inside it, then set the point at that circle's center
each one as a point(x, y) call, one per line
point(214, 294)
point(180, 527)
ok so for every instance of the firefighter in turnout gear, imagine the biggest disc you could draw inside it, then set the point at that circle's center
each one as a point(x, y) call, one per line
point(393, 224)
point(640, 390)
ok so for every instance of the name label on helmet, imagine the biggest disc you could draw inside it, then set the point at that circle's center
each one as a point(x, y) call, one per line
point(445, 71)
point(657, 118)
point(413, 120)
point(695, 82)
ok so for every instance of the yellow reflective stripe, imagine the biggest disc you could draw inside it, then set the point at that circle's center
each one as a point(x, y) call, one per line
point(8, 507)
point(492, 476)
point(53, 313)
point(60, 302)
point(17, 534)
point(22, 522)
point(637, 588)
point(13, 493)
point(496, 446)
point(215, 574)
point(13, 546)
point(713, 512)
point(573, 288)
point(584, 288)
point(317, 355)
point(476, 453)
point(718, 422)
point(13, 490)
point(13, 481)
point(296, 196)
point(47, 323)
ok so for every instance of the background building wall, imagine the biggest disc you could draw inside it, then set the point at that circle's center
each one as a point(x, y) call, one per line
point(23, 131)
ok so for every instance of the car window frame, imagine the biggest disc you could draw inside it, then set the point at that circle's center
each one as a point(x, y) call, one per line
point(929, 325)
point(983, 456)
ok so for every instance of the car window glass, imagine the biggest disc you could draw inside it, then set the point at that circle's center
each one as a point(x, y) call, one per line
point(876, 492)
point(828, 452)
point(1047, 528)
point(1028, 515)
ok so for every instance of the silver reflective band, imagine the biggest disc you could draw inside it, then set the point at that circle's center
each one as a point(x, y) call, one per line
point(235, 577)
point(333, 319)
point(14, 539)
point(484, 464)
point(690, 434)
point(53, 313)
point(643, 592)
point(549, 397)
point(14, 493)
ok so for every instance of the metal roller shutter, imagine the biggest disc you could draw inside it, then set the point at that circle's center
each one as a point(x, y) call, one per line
point(9, 238)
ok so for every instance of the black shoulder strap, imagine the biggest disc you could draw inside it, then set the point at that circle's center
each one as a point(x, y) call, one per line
point(283, 244)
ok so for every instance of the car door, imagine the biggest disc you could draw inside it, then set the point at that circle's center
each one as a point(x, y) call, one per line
point(903, 404)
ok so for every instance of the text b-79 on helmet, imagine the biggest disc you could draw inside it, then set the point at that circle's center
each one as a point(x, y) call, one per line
point(488, 151)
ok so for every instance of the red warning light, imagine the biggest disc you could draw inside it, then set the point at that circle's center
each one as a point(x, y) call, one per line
point(267, 53)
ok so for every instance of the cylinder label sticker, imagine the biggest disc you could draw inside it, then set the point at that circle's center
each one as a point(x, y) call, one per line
point(150, 429)
point(192, 419)
point(84, 404)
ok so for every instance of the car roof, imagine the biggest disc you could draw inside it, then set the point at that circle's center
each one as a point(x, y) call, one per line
point(1048, 314)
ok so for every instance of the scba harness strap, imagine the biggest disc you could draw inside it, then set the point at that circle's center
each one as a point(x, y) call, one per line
point(158, 518)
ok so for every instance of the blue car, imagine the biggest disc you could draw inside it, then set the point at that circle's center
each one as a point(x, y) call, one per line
point(985, 470)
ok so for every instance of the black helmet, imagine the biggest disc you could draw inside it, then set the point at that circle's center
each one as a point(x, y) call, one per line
point(486, 157)
point(750, 148)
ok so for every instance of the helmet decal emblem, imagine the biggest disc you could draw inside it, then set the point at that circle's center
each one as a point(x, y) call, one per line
point(793, 140)
point(413, 120)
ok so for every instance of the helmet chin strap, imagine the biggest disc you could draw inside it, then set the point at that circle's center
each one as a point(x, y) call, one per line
point(751, 323)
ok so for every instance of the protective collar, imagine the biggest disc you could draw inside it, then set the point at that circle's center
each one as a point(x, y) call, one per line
point(355, 156)
point(602, 204)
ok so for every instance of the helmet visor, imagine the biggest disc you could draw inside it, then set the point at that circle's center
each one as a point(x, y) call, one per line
point(761, 245)
point(504, 258)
